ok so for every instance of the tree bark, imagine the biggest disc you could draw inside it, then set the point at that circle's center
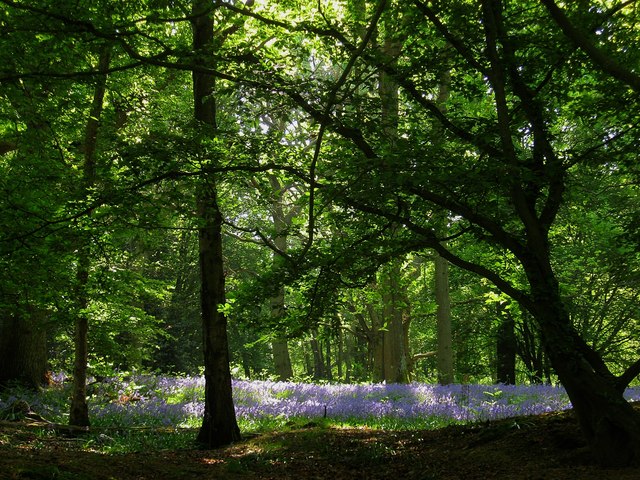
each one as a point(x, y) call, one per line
point(282, 359)
point(609, 423)
point(506, 347)
point(279, 346)
point(23, 348)
point(219, 425)
point(376, 345)
point(318, 361)
point(395, 315)
point(444, 357)
point(79, 409)
point(395, 364)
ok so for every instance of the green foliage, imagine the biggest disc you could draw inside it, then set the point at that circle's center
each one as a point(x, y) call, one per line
point(365, 198)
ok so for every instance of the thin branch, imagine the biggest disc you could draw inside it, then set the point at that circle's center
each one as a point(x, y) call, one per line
point(600, 58)
point(430, 240)
point(455, 42)
point(325, 119)
point(265, 241)
point(169, 175)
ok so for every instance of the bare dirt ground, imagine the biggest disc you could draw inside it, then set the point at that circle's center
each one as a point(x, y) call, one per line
point(530, 448)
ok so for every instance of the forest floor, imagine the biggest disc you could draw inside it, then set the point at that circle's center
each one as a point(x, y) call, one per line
point(540, 447)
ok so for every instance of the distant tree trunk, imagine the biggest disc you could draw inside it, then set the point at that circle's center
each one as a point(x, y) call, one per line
point(328, 364)
point(444, 352)
point(308, 360)
point(219, 425)
point(376, 345)
point(340, 353)
point(531, 352)
point(444, 356)
point(279, 346)
point(396, 307)
point(349, 357)
point(282, 359)
point(396, 361)
point(23, 348)
point(79, 410)
point(506, 347)
point(318, 361)
point(360, 344)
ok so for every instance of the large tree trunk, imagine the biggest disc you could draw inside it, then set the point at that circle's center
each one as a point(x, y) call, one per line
point(23, 349)
point(395, 304)
point(609, 423)
point(219, 425)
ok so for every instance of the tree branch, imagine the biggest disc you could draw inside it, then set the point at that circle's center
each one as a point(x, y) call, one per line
point(600, 58)
point(325, 118)
point(430, 240)
point(623, 381)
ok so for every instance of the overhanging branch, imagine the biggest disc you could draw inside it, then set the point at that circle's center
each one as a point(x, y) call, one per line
point(600, 58)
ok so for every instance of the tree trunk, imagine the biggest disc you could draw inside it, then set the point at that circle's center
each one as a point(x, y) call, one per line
point(327, 359)
point(376, 345)
point(279, 346)
point(395, 308)
point(531, 352)
point(318, 361)
point(506, 347)
point(339, 353)
point(23, 349)
point(395, 303)
point(609, 423)
point(219, 426)
point(282, 359)
point(79, 410)
point(444, 356)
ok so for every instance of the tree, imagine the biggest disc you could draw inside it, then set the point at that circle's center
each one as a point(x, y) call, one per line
point(443, 320)
point(23, 348)
point(219, 426)
point(506, 346)
point(79, 413)
point(281, 224)
point(502, 171)
point(538, 98)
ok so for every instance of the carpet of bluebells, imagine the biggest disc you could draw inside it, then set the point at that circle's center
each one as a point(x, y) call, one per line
point(178, 402)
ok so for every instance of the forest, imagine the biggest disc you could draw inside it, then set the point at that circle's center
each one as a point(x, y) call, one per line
point(331, 192)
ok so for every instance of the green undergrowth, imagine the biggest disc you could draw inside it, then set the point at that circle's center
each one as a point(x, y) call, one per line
point(112, 440)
